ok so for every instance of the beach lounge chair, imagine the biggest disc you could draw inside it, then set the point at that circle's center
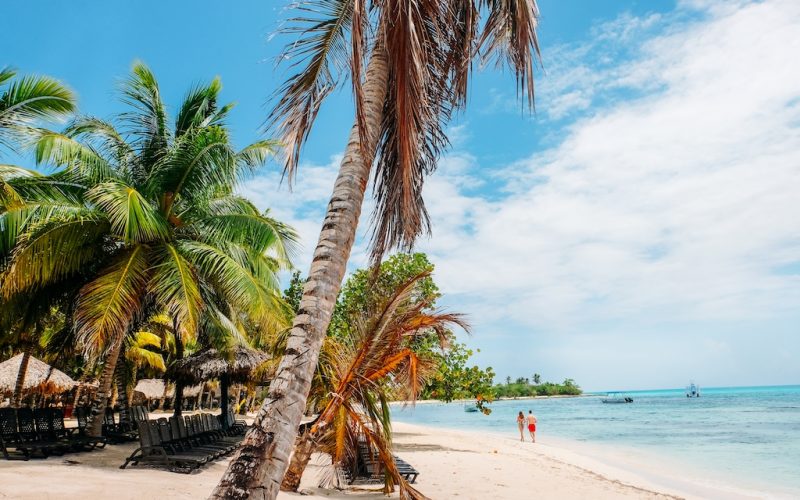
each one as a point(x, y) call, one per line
point(238, 426)
point(181, 436)
point(369, 469)
point(75, 437)
point(117, 432)
point(152, 452)
point(30, 441)
point(9, 437)
point(174, 445)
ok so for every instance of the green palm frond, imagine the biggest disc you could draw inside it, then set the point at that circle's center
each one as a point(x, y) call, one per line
point(174, 287)
point(26, 100)
point(132, 217)
point(104, 137)
point(237, 283)
point(198, 107)
point(64, 151)
point(201, 160)
point(137, 351)
point(32, 97)
point(221, 331)
point(107, 305)
point(6, 74)
point(53, 251)
point(261, 233)
point(256, 154)
point(147, 120)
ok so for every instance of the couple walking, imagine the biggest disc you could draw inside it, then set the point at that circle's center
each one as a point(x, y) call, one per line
point(531, 419)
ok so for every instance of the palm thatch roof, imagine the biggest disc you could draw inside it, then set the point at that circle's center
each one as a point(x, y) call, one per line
point(38, 377)
point(239, 364)
point(151, 388)
point(193, 391)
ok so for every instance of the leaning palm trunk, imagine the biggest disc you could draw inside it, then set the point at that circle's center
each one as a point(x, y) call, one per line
point(300, 458)
point(257, 469)
point(95, 424)
point(23, 369)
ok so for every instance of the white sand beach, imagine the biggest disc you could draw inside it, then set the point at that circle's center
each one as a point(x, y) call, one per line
point(452, 464)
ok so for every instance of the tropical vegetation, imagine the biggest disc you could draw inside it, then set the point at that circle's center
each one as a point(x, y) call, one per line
point(409, 65)
point(141, 218)
point(522, 387)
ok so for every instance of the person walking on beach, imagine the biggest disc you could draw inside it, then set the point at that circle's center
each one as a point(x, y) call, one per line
point(532, 425)
point(521, 425)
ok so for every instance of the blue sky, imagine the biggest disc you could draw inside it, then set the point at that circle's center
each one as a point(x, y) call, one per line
point(639, 230)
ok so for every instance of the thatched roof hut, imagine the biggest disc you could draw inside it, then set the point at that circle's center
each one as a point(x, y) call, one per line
point(152, 388)
point(38, 377)
point(239, 365)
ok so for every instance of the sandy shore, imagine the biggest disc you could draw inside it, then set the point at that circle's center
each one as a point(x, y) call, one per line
point(452, 464)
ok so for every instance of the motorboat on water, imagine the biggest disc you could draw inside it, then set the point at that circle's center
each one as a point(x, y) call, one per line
point(692, 390)
point(470, 407)
point(616, 398)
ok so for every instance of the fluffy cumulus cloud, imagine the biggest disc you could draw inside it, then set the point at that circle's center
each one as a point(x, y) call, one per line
point(661, 235)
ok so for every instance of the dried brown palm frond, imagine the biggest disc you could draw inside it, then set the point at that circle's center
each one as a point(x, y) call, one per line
point(429, 46)
point(376, 361)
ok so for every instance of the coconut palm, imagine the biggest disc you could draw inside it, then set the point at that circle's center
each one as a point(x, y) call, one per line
point(143, 213)
point(23, 101)
point(374, 364)
point(409, 63)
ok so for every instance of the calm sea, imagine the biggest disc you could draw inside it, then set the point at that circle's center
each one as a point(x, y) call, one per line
point(742, 436)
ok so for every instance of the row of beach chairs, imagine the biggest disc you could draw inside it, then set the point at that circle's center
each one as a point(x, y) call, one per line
point(25, 433)
point(184, 444)
point(125, 429)
point(369, 470)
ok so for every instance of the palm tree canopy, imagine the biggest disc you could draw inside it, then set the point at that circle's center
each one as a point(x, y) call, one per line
point(430, 46)
point(143, 213)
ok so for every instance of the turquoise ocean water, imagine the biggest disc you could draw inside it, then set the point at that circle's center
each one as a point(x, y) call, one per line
point(743, 436)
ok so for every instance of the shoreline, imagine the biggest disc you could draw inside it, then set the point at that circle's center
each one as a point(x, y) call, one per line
point(452, 464)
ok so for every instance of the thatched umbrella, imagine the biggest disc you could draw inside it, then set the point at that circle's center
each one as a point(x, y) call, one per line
point(151, 388)
point(237, 366)
point(39, 376)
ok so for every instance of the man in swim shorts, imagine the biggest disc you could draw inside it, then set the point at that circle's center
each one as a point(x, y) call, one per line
point(532, 425)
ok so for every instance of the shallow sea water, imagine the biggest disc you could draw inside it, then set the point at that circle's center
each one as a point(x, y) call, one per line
point(746, 436)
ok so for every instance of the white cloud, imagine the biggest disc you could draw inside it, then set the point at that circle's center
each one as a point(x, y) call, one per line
point(674, 207)
point(659, 221)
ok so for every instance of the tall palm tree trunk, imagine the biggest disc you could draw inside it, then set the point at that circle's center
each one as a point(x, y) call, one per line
point(122, 392)
point(20, 384)
point(257, 469)
point(95, 423)
point(177, 410)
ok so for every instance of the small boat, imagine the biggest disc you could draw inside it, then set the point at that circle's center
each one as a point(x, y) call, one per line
point(470, 407)
point(616, 398)
point(692, 390)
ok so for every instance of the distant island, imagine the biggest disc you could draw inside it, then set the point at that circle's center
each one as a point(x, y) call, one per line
point(524, 387)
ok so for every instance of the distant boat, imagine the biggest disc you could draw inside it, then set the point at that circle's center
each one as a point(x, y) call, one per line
point(470, 407)
point(692, 390)
point(616, 398)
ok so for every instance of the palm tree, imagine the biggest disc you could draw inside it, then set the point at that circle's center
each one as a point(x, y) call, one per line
point(145, 216)
point(418, 56)
point(23, 101)
point(376, 363)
